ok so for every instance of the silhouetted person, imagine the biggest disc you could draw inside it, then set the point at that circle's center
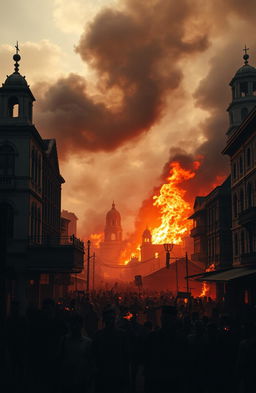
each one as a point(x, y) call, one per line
point(75, 359)
point(111, 353)
point(165, 356)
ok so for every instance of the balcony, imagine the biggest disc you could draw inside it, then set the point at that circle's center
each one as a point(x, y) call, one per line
point(198, 231)
point(247, 217)
point(248, 258)
point(57, 255)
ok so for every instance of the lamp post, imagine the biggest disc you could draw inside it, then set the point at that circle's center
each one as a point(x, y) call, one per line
point(168, 248)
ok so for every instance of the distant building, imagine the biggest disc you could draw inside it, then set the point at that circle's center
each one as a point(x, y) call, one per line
point(72, 227)
point(30, 201)
point(111, 248)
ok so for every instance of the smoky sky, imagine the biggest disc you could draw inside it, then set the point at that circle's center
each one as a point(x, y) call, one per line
point(136, 52)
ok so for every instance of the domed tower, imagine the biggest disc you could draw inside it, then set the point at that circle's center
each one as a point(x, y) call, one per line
point(146, 237)
point(243, 101)
point(16, 98)
point(113, 229)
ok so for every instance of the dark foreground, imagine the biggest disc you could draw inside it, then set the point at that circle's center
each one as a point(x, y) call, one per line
point(124, 343)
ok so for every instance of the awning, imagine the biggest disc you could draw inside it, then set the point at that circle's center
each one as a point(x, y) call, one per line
point(227, 275)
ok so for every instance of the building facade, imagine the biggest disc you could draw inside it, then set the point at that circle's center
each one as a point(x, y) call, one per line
point(30, 200)
point(212, 228)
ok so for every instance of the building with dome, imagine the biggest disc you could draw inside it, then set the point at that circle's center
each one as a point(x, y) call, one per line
point(111, 248)
point(34, 263)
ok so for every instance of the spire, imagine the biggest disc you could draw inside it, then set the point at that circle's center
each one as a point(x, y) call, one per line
point(113, 205)
point(16, 58)
point(245, 56)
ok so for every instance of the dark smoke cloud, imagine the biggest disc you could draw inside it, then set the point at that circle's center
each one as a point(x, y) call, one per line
point(135, 53)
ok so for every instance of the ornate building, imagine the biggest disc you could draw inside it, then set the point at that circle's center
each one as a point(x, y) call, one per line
point(30, 201)
point(111, 248)
point(239, 279)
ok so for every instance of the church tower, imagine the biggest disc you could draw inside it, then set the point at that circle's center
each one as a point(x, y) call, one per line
point(16, 98)
point(243, 87)
point(111, 248)
point(113, 228)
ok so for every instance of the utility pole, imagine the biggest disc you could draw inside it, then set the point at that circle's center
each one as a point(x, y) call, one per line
point(93, 271)
point(177, 277)
point(187, 272)
point(88, 267)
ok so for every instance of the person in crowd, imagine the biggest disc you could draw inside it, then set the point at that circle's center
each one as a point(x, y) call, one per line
point(75, 359)
point(112, 356)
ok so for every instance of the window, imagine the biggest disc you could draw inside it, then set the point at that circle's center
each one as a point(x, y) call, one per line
point(233, 92)
point(7, 160)
point(241, 166)
point(248, 157)
point(13, 107)
point(243, 89)
point(249, 195)
point(244, 113)
point(7, 220)
point(234, 171)
point(254, 88)
point(231, 119)
point(241, 200)
point(242, 243)
point(236, 244)
point(235, 210)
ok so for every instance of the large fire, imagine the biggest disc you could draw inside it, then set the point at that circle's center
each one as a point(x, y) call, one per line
point(205, 286)
point(174, 209)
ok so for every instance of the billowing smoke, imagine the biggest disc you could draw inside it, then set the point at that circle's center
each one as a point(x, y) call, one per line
point(135, 52)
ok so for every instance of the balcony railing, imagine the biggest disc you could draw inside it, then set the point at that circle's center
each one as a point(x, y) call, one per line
point(56, 241)
point(247, 217)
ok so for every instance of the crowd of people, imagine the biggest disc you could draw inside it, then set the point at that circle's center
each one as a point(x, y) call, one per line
point(128, 343)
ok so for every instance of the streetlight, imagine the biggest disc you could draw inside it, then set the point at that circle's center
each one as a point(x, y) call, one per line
point(168, 248)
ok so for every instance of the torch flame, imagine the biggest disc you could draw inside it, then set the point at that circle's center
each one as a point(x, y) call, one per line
point(174, 209)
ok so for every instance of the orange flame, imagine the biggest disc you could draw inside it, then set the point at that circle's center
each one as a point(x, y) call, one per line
point(173, 208)
point(206, 287)
point(96, 239)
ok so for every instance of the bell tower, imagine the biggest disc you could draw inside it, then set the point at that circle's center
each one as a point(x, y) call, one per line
point(16, 98)
point(243, 87)
point(113, 228)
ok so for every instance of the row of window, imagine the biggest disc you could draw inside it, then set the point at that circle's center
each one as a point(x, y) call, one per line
point(238, 166)
point(244, 89)
point(243, 242)
point(241, 203)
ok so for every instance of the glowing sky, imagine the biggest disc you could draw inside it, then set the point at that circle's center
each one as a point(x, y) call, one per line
point(148, 78)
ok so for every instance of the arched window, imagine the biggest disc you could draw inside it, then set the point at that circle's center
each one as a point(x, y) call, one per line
point(113, 236)
point(241, 200)
point(248, 157)
point(6, 221)
point(249, 195)
point(7, 160)
point(13, 107)
point(243, 89)
point(235, 210)
point(244, 113)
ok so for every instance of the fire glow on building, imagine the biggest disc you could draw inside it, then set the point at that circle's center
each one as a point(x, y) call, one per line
point(173, 227)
